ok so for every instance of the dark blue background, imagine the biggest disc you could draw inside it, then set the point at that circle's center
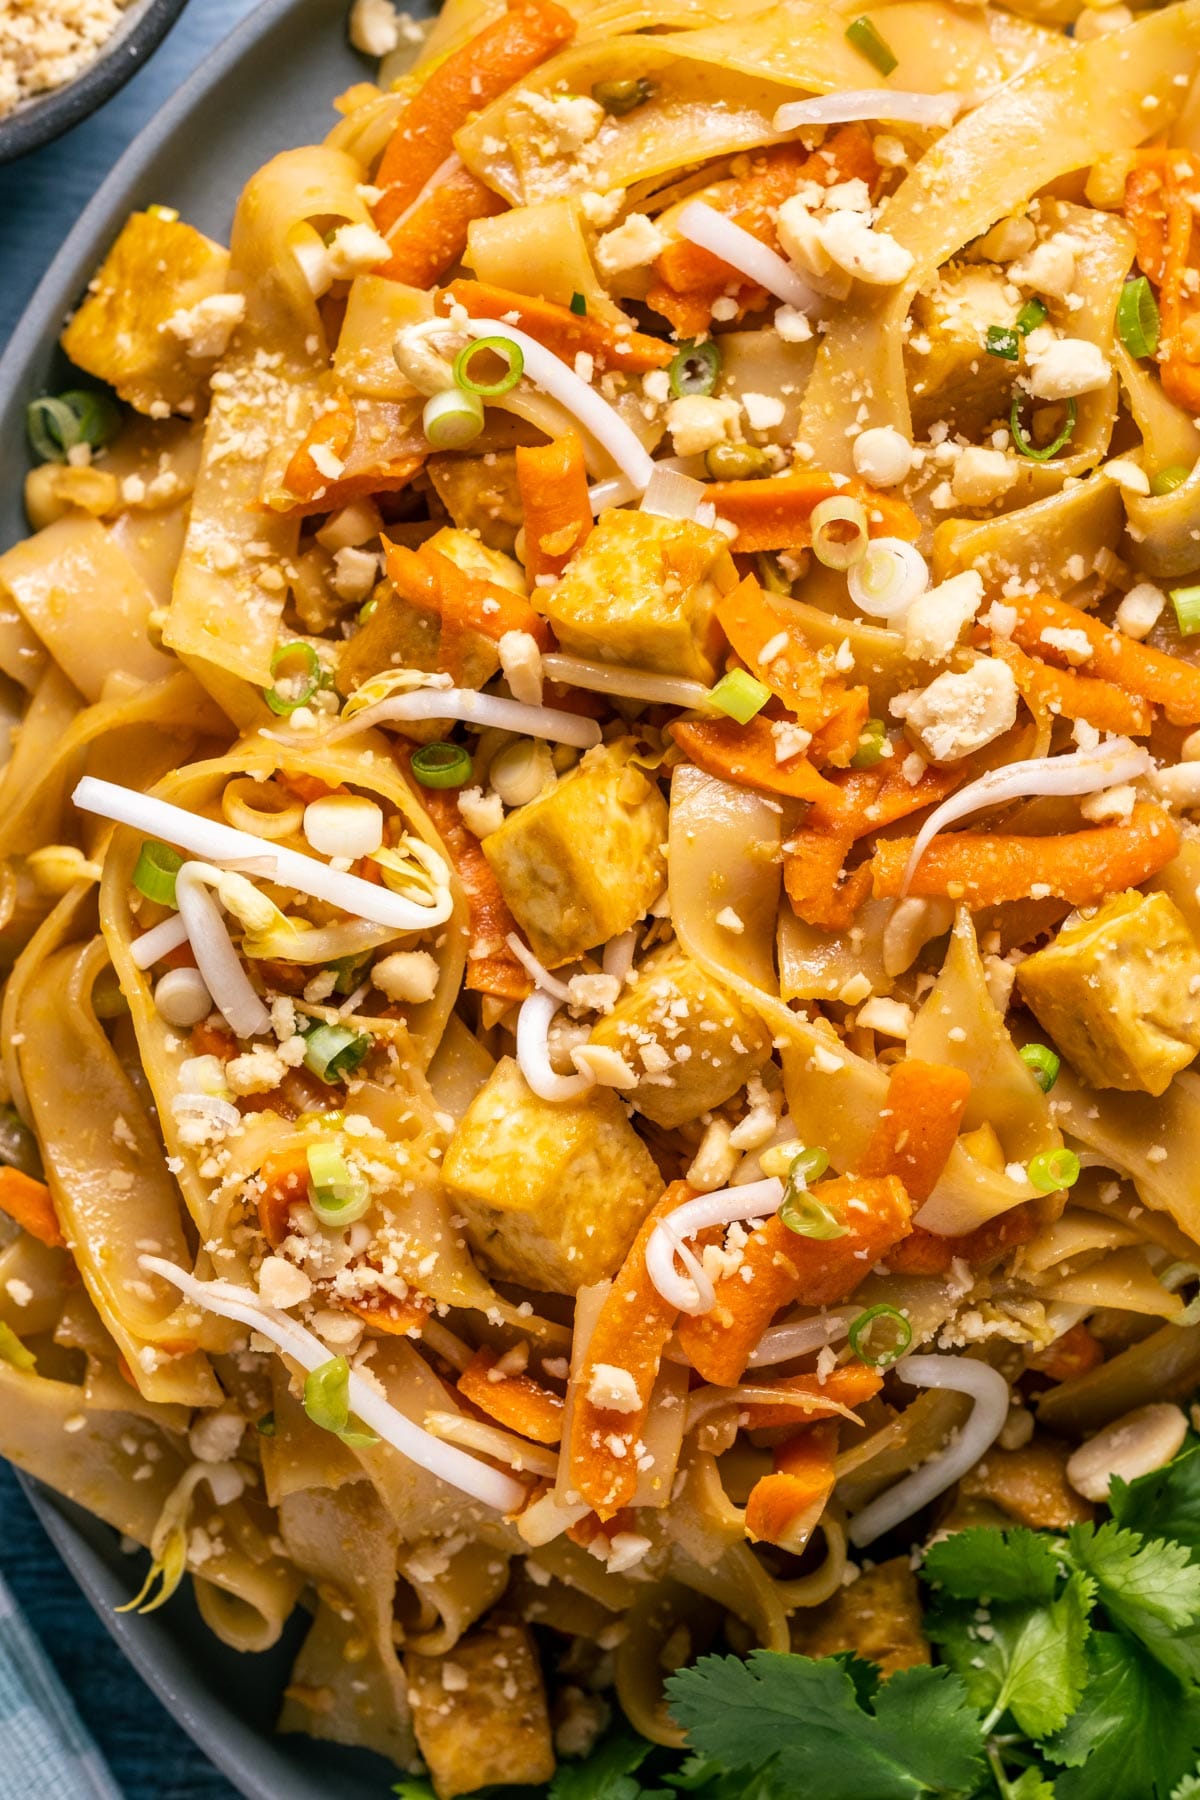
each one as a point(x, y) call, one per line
point(40, 198)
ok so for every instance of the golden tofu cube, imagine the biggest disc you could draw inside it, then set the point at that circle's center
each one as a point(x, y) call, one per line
point(584, 861)
point(1119, 992)
point(157, 268)
point(481, 494)
point(643, 591)
point(877, 1618)
point(691, 1042)
point(480, 1712)
point(553, 1192)
point(951, 376)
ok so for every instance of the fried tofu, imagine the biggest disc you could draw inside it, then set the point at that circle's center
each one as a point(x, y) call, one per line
point(584, 861)
point(481, 494)
point(692, 1043)
point(951, 376)
point(480, 1712)
point(1029, 1485)
point(158, 270)
point(553, 1192)
point(1118, 991)
point(643, 591)
point(878, 1617)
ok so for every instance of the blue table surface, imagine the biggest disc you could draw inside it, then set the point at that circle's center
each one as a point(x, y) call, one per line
point(40, 198)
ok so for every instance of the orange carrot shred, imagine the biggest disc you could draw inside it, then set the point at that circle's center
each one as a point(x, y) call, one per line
point(918, 1125)
point(776, 513)
point(753, 621)
point(800, 1397)
point(557, 328)
point(1074, 1353)
point(491, 966)
point(433, 234)
point(392, 1317)
point(746, 754)
point(330, 435)
point(285, 1179)
point(925, 1253)
point(1070, 695)
point(554, 499)
point(784, 1506)
point(28, 1202)
point(515, 1401)
point(1164, 680)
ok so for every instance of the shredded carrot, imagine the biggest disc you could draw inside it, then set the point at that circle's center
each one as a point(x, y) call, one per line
point(867, 800)
point(779, 1266)
point(554, 500)
point(330, 435)
point(431, 582)
point(307, 787)
point(612, 346)
point(432, 235)
point(776, 513)
point(820, 890)
point(392, 1317)
point(29, 1203)
point(464, 83)
point(746, 753)
point(1069, 695)
point(754, 621)
point(213, 1040)
point(1160, 197)
point(285, 1179)
point(587, 1530)
point(918, 1125)
point(1164, 680)
point(1074, 1353)
point(800, 1397)
point(515, 1401)
point(988, 868)
point(925, 1253)
point(491, 966)
point(784, 1506)
point(630, 1334)
point(688, 279)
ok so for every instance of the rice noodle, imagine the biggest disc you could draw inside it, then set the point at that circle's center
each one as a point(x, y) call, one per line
point(619, 953)
point(892, 104)
point(1080, 772)
point(726, 1206)
point(630, 684)
point(216, 958)
point(596, 416)
point(473, 709)
point(533, 1051)
point(961, 1375)
point(799, 1337)
point(220, 843)
point(229, 1301)
point(492, 1440)
point(710, 230)
point(671, 495)
point(548, 983)
point(703, 1402)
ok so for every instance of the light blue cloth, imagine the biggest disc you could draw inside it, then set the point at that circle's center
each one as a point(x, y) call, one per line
point(45, 1753)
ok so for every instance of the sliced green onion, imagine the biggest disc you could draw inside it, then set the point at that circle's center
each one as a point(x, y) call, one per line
point(1186, 601)
point(441, 765)
point(266, 1426)
point(737, 462)
point(1137, 317)
point(510, 354)
point(53, 429)
point(802, 1213)
point(1173, 1278)
point(840, 532)
point(452, 418)
point(809, 1165)
point(1168, 479)
point(621, 97)
point(1022, 444)
point(1051, 1170)
point(739, 695)
point(694, 369)
point(871, 742)
point(350, 971)
point(99, 417)
point(327, 1395)
point(1003, 341)
point(13, 1351)
point(358, 1437)
point(155, 870)
point(1031, 315)
point(337, 1195)
point(770, 573)
point(300, 668)
point(368, 610)
point(867, 41)
point(332, 1051)
point(1043, 1063)
point(579, 306)
point(890, 1353)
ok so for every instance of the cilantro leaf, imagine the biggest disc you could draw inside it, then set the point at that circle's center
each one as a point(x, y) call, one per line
point(1138, 1579)
point(411, 1789)
point(1165, 1503)
point(606, 1774)
point(1032, 1785)
point(1135, 1732)
point(982, 1564)
point(1188, 1789)
point(916, 1735)
point(1026, 1658)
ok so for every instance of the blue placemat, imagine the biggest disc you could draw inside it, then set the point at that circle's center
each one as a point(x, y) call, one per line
point(40, 198)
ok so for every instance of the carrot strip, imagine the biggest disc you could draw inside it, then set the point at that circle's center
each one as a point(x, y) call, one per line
point(866, 800)
point(554, 499)
point(776, 514)
point(822, 893)
point(467, 81)
point(918, 1125)
point(784, 1506)
point(1164, 680)
point(431, 582)
point(392, 1317)
point(329, 436)
point(28, 1202)
point(284, 1175)
point(559, 329)
point(491, 966)
point(630, 1334)
point(801, 1397)
point(746, 753)
point(1073, 696)
point(988, 868)
point(779, 1266)
point(925, 1253)
point(432, 235)
point(516, 1401)
point(1159, 203)
point(754, 622)
point(1074, 1353)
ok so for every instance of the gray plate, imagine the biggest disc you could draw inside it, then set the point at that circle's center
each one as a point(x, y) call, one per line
point(267, 88)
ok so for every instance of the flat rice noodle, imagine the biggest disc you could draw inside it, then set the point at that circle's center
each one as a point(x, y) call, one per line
point(1169, 435)
point(1040, 545)
point(337, 1694)
point(1122, 1130)
point(33, 785)
point(1162, 541)
point(1165, 1366)
point(540, 250)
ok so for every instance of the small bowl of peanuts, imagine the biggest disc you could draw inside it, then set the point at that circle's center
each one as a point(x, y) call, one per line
point(62, 59)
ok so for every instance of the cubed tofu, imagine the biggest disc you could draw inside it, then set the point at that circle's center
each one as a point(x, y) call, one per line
point(157, 268)
point(950, 375)
point(480, 493)
point(553, 1192)
point(1029, 1485)
point(643, 591)
point(1118, 991)
point(480, 1712)
point(878, 1618)
point(584, 861)
point(691, 1042)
